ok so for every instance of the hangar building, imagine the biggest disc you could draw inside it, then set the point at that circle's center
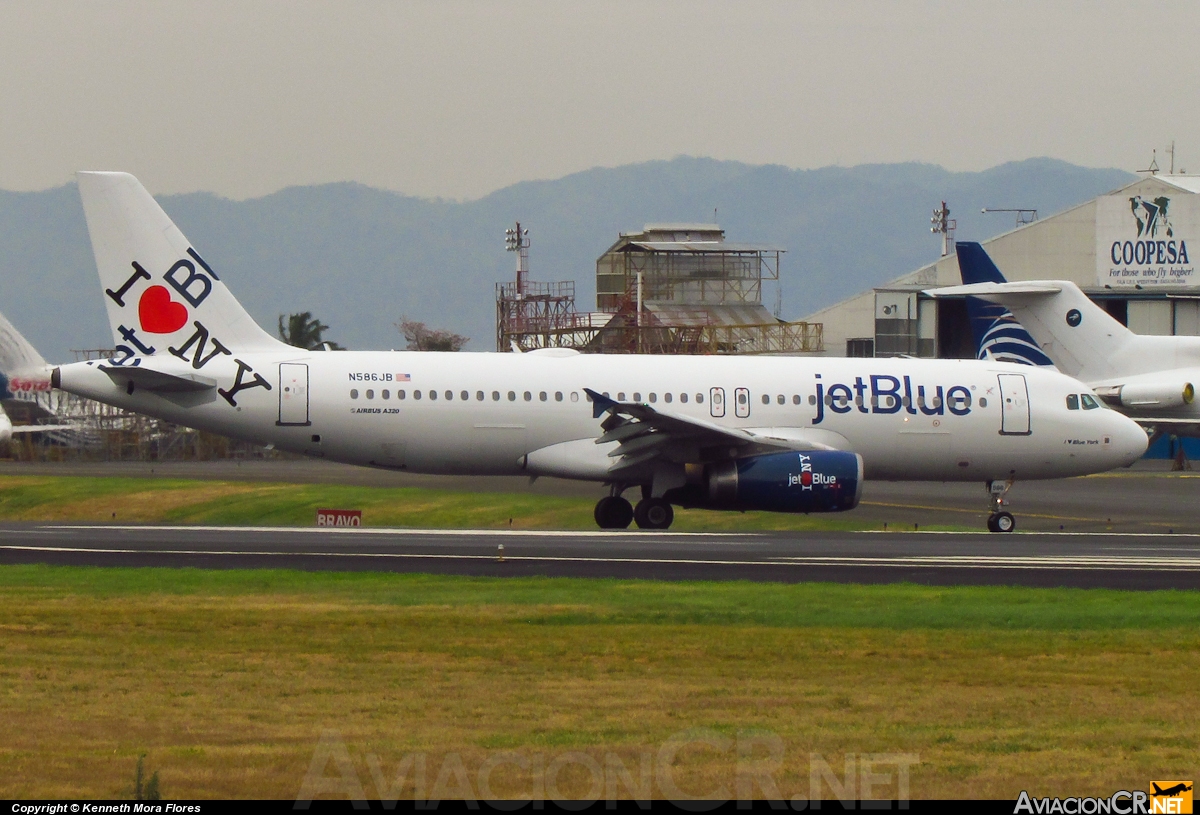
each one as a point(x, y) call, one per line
point(1134, 251)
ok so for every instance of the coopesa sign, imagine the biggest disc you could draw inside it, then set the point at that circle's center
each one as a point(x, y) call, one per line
point(1142, 240)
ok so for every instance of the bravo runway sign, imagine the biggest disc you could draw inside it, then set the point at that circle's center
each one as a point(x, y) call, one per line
point(1143, 241)
point(339, 517)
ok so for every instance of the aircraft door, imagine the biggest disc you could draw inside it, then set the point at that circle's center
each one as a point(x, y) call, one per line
point(293, 394)
point(1014, 405)
point(741, 402)
point(716, 402)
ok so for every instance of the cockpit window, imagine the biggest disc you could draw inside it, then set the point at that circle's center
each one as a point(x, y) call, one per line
point(1089, 402)
point(1072, 401)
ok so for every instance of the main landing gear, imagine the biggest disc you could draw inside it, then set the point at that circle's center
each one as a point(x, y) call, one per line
point(999, 520)
point(614, 512)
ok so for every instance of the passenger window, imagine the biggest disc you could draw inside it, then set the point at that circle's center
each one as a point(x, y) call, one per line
point(495, 396)
point(449, 396)
point(353, 393)
point(416, 394)
point(1072, 401)
point(1088, 402)
point(653, 397)
point(432, 395)
point(575, 397)
point(620, 396)
point(742, 397)
point(766, 399)
point(683, 398)
point(781, 399)
point(528, 396)
point(542, 396)
point(796, 399)
point(637, 397)
point(464, 396)
point(558, 396)
point(699, 399)
point(479, 396)
point(982, 401)
point(512, 396)
point(400, 394)
point(812, 399)
point(386, 394)
point(370, 394)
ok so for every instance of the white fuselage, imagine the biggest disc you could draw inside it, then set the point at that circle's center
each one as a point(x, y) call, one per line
point(496, 414)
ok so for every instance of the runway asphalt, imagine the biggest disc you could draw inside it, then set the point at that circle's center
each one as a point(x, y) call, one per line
point(1113, 560)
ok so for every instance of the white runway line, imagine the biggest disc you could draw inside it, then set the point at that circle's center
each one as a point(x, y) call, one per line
point(952, 562)
point(603, 533)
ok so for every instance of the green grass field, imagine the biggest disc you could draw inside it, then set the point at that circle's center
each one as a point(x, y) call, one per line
point(226, 681)
point(160, 500)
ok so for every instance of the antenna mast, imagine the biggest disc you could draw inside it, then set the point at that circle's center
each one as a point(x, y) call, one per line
point(944, 224)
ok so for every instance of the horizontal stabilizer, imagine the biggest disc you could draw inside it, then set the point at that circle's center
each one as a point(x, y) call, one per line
point(158, 381)
point(995, 290)
point(42, 428)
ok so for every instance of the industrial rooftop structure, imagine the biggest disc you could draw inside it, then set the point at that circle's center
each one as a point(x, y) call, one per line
point(671, 288)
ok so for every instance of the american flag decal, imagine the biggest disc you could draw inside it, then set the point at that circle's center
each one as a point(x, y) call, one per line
point(403, 378)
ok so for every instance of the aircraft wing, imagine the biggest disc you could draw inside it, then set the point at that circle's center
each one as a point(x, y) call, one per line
point(159, 381)
point(645, 433)
point(1176, 427)
point(41, 428)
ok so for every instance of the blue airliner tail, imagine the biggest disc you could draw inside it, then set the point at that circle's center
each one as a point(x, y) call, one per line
point(997, 333)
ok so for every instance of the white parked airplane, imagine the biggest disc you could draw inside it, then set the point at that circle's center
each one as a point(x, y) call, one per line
point(788, 434)
point(24, 378)
point(1152, 379)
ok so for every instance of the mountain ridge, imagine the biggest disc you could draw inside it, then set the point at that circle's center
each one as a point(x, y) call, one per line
point(360, 257)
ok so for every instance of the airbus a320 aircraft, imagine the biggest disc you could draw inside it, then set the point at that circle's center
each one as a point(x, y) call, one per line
point(1150, 378)
point(787, 434)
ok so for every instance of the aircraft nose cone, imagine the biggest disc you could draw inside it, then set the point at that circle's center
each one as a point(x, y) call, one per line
point(1129, 440)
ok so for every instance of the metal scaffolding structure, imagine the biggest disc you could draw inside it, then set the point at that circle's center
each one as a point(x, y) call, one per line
point(538, 315)
point(669, 289)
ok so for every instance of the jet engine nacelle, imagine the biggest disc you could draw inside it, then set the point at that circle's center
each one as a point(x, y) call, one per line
point(810, 481)
point(1162, 394)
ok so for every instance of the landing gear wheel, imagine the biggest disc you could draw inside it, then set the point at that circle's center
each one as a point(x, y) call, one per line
point(1001, 522)
point(613, 512)
point(653, 513)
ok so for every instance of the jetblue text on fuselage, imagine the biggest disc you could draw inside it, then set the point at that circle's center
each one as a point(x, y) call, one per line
point(882, 393)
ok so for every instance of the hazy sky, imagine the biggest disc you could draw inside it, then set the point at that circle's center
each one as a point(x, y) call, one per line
point(457, 99)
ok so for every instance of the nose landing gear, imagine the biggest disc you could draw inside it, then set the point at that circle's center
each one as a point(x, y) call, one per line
point(999, 520)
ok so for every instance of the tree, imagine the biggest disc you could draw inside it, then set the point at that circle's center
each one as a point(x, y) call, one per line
point(422, 338)
point(304, 331)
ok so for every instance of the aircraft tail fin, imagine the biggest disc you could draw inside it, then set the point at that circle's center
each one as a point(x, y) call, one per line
point(21, 366)
point(16, 353)
point(161, 296)
point(998, 334)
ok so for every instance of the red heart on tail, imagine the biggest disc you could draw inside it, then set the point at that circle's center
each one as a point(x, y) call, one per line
point(158, 313)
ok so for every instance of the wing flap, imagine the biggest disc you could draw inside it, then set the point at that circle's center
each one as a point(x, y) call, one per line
point(645, 434)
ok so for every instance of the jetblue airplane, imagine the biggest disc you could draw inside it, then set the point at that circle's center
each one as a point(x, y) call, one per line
point(1152, 379)
point(786, 434)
